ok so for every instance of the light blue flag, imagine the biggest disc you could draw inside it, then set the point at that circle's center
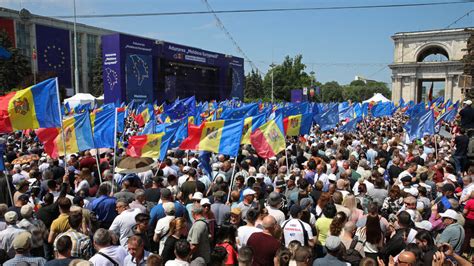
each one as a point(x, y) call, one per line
point(350, 126)
point(419, 126)
point(329, 119)
point(103, 128)
point(382, 109)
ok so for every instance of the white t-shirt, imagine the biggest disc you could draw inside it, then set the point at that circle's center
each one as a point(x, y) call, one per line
point(82, 185)
point(276, 213)
point(244, 232)
point(162, 229)
point(293, 230)
point(123, 223)
point(117, 253)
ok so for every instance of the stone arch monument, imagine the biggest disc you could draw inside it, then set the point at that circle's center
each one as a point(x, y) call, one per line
point(412, 62)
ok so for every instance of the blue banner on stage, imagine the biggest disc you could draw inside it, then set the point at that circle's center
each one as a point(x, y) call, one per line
point(139, 77)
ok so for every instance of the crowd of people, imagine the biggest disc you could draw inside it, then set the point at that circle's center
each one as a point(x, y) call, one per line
point(365, 198)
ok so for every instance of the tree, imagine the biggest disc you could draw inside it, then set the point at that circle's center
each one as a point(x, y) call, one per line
point(331, 92)
point(253, 85)
point(13, 70)
point(97, 79)
point(287, 76)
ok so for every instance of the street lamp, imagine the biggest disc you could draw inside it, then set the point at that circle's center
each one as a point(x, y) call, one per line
point(76, 69)
point(272, 66)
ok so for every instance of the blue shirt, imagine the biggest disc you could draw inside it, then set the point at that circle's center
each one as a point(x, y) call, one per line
point(158, 212)
point(104, 207)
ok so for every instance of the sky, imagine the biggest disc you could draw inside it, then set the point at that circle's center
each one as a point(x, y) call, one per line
point(335, 44)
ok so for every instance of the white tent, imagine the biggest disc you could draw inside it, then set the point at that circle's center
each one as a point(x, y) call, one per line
point(378, 97)
point(80, 98)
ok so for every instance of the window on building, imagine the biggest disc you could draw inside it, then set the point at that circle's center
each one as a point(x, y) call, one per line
point(23, 39)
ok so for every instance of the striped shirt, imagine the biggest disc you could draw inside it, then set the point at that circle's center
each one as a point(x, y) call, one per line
point(81, 244)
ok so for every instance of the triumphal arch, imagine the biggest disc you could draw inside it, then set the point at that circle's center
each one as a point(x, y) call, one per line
point(428, 56)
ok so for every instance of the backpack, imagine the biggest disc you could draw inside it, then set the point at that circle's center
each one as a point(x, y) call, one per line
point(351, 255)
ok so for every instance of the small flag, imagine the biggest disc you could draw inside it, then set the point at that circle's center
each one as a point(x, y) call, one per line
point(221, 136)
point(268, 140)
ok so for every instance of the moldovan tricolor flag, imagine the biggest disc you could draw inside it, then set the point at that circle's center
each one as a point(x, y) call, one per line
point(78, 134)
point(268, 140)
point(151, 145)
point(31, 108)
point(220, 136)
point(250, 125)
point(296, 125)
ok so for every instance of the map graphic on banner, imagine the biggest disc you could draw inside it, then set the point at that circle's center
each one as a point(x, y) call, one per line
point(138, 69)
point(111, 77)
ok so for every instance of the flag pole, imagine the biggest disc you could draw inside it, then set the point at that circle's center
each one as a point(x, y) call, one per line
point(287, 165)
point(232, 179)
point(61, 120)
point(436, 145)
point(5, 172)
point(22, 136)
point(115, 149)
point(98, 164)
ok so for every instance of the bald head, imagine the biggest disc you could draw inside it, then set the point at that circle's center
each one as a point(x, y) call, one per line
point(407, 257)
point(268, 222)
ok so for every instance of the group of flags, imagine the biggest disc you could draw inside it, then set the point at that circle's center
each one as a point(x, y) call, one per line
point(218, 127)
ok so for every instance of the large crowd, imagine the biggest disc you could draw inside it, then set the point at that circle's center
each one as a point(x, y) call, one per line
point(365, 198)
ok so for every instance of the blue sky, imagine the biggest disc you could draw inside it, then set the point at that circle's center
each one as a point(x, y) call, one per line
point(336, 44)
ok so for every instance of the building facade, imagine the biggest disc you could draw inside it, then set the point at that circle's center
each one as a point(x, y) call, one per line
point(134, 68)
point(412, 64)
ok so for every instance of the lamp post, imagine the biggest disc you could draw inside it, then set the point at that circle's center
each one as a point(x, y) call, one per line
point(272, 66)
point(76, 69)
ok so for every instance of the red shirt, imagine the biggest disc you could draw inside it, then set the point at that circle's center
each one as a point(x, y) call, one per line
point(470, 209)
point(231, 254)
point(265, 246)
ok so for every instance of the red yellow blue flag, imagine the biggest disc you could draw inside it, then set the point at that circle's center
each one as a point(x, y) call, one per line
point(220, 136)
point(296, 125)
point(268, 140)
point(77, 133)
point(30, 108)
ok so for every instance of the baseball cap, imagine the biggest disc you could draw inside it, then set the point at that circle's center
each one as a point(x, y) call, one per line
point(168, 207)
point(469, 102)
point(450, 214)
point(186, 169)
point(26, 210)
point(333, 243)
point(332, 177)
point(205, 201)
point(197, 196)
point(236, 211)
point(274, 199)
point(249, 191)
point(22, 241)
point(424, 225)
point(10, 217)
point(260, 175)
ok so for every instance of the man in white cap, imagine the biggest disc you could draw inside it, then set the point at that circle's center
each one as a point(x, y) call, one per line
point(453, 234)
point(22, 245)
point(248, 202)
point(7, 235)
point(163, 225)
point(36, 227)
point(467, 115)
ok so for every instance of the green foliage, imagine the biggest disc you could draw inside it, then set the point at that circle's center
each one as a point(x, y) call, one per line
point(253, 85)
point(287, 76)
point(97, 80)
point(14, 70)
